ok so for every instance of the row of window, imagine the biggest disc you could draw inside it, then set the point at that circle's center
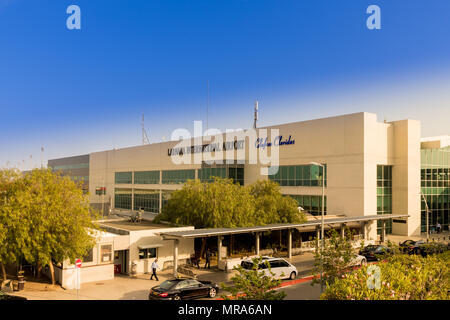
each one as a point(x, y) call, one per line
point(179, 176)
point(311, 204)
point(384, 196)
point(147, 200)
point(305, 175)
point(70, 166)
point(435, 157)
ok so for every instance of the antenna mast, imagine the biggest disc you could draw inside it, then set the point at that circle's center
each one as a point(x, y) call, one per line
point(256, 115)
point(145, 139)
point(207, 105)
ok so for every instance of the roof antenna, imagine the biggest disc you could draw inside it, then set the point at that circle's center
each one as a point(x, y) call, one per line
point(145, 139)
point(256, 114)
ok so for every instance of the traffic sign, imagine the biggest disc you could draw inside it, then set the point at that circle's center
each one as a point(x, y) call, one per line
point(78, 263)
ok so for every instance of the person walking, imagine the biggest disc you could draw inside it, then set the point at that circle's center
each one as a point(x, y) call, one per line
point(208, 259)
point(154, 267)
point(438, 227)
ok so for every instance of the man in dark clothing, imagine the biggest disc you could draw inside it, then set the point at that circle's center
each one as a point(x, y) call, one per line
point(208, 259)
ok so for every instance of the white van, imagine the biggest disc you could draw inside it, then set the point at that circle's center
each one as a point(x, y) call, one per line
point(281, 268)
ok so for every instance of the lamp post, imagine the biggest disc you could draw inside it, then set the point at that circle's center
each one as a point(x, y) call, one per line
point(322, 222)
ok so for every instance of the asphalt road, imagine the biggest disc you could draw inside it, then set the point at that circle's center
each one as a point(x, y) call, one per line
point(302, 291)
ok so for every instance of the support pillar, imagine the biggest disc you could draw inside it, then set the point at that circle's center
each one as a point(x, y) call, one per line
point(383, 232)
point(289, 248)
point(219, 249)
point(257, 235)
point(363, 230)
point(175, 258)
point(343, 231)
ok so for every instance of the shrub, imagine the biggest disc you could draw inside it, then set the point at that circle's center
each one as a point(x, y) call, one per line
point(402, 277)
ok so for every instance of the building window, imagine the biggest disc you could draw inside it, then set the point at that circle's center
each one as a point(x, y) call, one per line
point(89, 257)
point(384, 196)
point(311, 204)
point(165, 196)
point(237, 174)
point(122, 199)
point(123, 177)
point(304, 176)
point(147, 253)
point(146, 177)
point(105, 253)
point(435, 182)
point(177, 176)
point(207, 174)
point(148, 200)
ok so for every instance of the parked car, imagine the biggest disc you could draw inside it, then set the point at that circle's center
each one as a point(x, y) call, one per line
point(411, 246)
point(183, 288)
point(374, 252)
point(425, 249)
point(358, 261)
point(281, 268)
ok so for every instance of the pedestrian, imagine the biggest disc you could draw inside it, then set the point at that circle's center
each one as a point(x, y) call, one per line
point(208, 259)
point(154, 267)
point(438, 227)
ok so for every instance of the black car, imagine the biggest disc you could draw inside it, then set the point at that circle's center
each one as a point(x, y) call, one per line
point(375, 252)
point(183, 288)
point(426, 249)
point(411, 246)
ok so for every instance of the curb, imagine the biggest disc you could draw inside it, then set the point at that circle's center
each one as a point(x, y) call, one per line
point(284, 284)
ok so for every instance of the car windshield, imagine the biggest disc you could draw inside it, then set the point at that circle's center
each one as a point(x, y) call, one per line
point(247, 265)
point(408, 242)
point(166, 285)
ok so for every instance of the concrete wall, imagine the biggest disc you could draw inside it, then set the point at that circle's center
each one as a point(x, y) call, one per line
point(164, 253)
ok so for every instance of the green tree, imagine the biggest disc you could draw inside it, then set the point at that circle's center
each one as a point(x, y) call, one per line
point(271, 206)
point(12, 230)
point(54, 213)
point(337, 256)
point(254, 284)
point(222, 204)
point(402, 277)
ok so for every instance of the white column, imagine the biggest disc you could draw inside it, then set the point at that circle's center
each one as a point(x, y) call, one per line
point(257, 243)
point(219, 249)
point(175, 258)
point(343, 231)
point(289, 243)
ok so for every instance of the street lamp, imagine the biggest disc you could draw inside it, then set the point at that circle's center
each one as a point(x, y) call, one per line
point(322, 223)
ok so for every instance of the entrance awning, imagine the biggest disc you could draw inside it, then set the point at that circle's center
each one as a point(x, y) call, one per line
point(149, 246)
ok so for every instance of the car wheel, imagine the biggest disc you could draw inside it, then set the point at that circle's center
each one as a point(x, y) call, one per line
point(293, 275)
point(176, 297)
point(363, 262)
point(212, 292)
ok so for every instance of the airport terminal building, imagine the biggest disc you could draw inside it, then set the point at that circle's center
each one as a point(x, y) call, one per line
point(366, 167)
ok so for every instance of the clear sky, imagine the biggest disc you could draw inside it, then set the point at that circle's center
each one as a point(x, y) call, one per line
point(80, 91)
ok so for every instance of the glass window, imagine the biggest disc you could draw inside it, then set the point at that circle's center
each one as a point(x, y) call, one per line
point(146, 177)
point(105, 253)
point(122, 198)
point(147, 253)
point(147, 200)
point(89, 257)
point(123, 177)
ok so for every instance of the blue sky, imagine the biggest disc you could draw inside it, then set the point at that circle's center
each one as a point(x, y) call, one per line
point(80, 91)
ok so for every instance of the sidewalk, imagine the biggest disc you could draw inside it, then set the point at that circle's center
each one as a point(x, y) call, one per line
point(444, 236)
point(124, 287)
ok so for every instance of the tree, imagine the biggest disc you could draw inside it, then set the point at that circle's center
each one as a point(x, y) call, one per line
point(52, 213)
point(337, 256)
point(254, 284)
point(222, 204)
point(12, 230)
point(402, 277)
